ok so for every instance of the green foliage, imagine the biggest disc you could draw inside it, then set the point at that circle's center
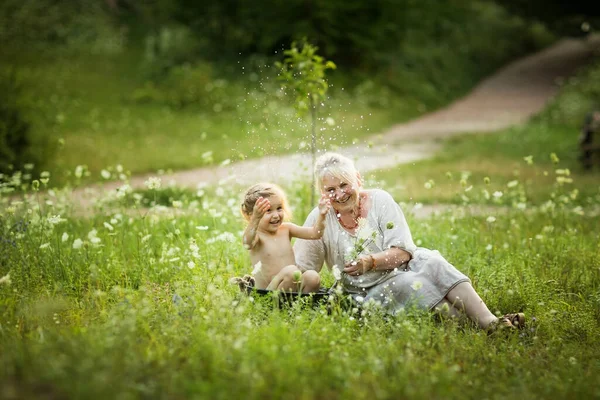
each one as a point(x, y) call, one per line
point(77, 25)
point(579, 95)
point(303, 73)
point(190, 85)
point(170, 47)
point(15, 129)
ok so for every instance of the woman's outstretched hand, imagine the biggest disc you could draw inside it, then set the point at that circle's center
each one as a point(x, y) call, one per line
point(359, 266)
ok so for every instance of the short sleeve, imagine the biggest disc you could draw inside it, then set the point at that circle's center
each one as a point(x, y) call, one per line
point(310, 254)
point(393, 224)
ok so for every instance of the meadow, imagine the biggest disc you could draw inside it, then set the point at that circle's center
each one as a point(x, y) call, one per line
point(134, 300)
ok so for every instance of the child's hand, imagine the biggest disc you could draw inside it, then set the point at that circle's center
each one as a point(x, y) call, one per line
point(261, 206)
point(324, 204)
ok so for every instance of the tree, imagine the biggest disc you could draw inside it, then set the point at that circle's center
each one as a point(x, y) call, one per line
point(303, 73)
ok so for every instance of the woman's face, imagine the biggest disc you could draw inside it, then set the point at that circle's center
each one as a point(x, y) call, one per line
point(343, 194)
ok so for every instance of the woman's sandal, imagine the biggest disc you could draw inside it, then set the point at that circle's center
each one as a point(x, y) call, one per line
point(507, 322)
point(516, 319)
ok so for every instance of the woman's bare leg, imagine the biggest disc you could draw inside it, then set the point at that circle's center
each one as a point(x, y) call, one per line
point(446, 309)
point(464, 297)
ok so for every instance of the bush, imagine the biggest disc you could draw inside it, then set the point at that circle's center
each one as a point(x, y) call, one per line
point(74, 24)
point(14, 127)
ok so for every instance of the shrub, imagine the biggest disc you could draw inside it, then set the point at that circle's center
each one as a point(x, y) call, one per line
point(14, 127)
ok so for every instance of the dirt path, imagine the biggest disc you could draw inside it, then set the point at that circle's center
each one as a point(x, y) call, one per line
point(509, 97)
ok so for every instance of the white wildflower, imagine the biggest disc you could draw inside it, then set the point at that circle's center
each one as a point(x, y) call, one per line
point(153, 183)
point(44, 246)
point(488, 247)
point(109, 226)
point(79, 171)
point(77, 243)
point(337, 274)
point(123, 190)
point(202, 228)
point(512, 184)
point(497, 194)
point(416, 285)
point(5, 280)
point(93, 237)
point(65, 237)
point(223, 237)
point(55, 219)
point(105, 174)
point(191, 265)
point(491, 219)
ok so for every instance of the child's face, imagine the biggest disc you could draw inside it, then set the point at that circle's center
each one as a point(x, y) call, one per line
point(273, 218)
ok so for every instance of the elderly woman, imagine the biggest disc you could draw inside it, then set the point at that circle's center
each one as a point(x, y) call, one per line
point(367, 239)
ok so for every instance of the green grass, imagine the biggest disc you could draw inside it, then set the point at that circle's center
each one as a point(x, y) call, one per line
point(126, 315)
point(135, 302)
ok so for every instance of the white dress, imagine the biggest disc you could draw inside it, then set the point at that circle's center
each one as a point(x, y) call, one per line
point(424, 283)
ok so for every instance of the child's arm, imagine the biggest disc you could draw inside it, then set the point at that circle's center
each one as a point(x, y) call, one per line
point(250, 237)
point(316, 231)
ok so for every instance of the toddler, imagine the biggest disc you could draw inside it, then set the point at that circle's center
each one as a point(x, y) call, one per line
point(268, 236)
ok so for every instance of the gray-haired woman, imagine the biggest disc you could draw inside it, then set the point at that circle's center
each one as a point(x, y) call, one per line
point(368, 244)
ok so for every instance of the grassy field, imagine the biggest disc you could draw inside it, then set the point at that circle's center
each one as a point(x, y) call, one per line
point(135, 302)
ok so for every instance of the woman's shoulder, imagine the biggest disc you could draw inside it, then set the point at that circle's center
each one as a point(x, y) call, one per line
point(380, 194)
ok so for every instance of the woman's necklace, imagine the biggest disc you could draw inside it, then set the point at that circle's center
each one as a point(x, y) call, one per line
point(354, 219)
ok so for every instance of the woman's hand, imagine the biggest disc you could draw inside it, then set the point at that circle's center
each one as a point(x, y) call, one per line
point(359, 266)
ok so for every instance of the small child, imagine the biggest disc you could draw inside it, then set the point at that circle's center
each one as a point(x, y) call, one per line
point(267, 237)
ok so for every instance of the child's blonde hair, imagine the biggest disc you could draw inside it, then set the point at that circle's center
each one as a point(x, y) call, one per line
point(266, 190)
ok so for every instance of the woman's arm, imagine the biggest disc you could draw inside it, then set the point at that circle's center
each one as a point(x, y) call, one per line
point(397, 241)
point(391, 258)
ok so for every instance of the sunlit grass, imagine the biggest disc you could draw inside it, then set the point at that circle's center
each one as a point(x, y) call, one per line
point(135, 301)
